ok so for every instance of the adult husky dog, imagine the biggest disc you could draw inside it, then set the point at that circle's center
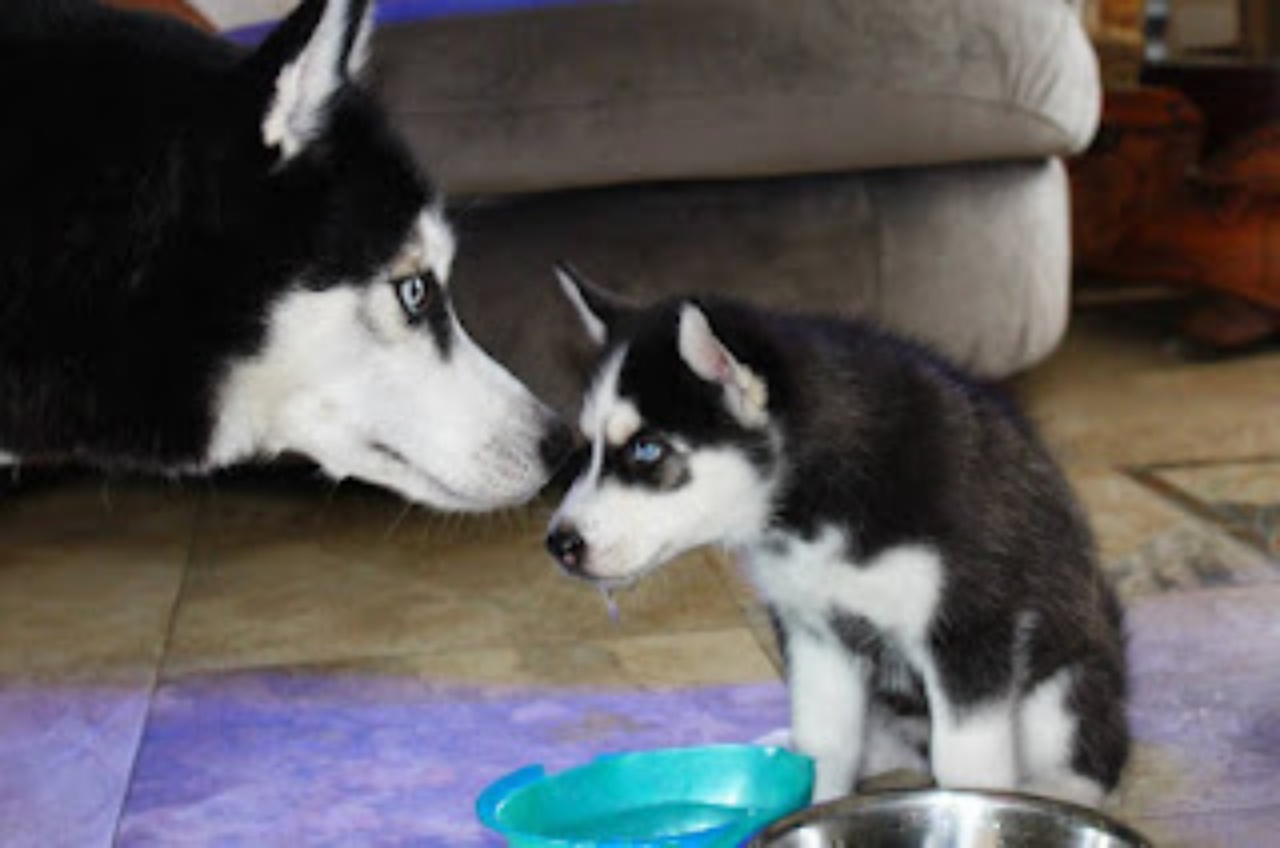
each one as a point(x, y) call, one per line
point(208, 255)
point(924, 560)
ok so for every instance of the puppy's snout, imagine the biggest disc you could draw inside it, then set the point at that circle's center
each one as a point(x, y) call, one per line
point(568, 547)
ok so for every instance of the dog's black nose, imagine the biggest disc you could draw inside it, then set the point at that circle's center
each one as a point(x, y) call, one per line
point(568, 547)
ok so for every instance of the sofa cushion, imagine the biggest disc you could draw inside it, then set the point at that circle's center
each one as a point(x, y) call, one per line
point(601, 93)
point(972, 260)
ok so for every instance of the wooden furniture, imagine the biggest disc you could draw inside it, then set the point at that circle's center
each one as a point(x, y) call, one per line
point(1149, 206)
point(1116, 29)
point(1182, 187)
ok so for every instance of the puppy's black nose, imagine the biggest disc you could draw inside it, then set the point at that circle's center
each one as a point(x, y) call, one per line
point(568, 547)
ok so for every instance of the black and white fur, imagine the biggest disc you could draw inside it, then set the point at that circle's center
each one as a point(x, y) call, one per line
point(925, 562)
point(209, 255)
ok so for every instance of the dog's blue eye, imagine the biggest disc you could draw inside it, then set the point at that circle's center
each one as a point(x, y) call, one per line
point(412, 292)
point(646, 451)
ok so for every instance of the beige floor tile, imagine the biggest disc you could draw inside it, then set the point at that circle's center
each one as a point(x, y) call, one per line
point(1253, 483)
point(1124, 514)
point(656, 661)
point(757, 616)
point(1117, 393)
point(1244, 497)
point(89, 576)
point(1149, 545)
point(83, 510)
point(293, 582)
point(89, 573)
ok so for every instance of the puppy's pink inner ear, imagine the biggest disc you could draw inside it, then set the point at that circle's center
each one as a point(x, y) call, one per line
point(702, 351)
point(722, 365)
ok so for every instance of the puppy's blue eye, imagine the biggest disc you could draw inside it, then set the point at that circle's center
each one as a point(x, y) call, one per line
point(646, 451)
point(413, 293)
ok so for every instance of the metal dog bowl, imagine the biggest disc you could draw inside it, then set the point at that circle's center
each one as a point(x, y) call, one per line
point(948, 819)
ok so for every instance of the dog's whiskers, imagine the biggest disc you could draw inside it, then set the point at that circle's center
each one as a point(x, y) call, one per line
point(397, 521)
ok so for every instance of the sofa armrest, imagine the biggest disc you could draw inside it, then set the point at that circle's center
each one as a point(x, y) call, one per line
point(603, 93)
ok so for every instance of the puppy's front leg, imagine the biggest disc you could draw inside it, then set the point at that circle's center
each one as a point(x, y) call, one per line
point(828, 685)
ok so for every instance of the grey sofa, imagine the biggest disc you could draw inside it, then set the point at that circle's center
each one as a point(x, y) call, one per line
point(898, 159)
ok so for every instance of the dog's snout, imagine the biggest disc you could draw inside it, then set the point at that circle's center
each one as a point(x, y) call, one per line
point(568, 547)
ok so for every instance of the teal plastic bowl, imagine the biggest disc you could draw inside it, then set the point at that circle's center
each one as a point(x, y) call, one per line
point(707, 797)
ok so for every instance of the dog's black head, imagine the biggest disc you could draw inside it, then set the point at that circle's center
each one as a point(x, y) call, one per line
point(217, 253)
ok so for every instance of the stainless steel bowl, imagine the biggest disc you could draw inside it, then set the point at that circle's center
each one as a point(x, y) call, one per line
point(944, 818)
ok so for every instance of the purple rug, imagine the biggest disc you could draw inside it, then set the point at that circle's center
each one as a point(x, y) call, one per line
point(274, 758)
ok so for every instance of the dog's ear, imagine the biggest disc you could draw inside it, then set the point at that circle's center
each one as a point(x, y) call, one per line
point(305, 61)
point(746, 393)
point(600, 311)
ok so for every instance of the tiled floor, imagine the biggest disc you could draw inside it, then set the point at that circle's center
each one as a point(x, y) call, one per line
point(269, 661)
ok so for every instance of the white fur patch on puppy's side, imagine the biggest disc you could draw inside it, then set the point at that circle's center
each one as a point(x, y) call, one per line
point(704, 353)
point(897, 591)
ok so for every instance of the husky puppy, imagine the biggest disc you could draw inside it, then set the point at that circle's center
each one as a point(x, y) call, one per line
point(917, 547)
point(209, 255)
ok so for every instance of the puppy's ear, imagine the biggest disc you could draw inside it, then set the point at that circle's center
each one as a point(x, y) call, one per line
point(305, 61)
point(600, 311)
point(746, 393)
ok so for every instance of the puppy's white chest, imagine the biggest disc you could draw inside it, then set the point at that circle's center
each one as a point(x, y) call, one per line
point(898, 590)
